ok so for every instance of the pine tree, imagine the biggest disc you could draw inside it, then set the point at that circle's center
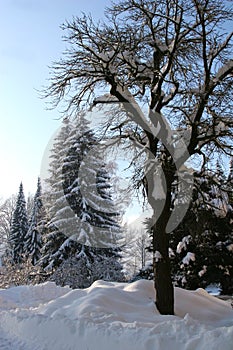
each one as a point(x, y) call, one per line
point(33, 239)
point(89, 231)
point(19, 228)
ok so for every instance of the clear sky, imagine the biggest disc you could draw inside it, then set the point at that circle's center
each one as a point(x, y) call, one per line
point(30, 39)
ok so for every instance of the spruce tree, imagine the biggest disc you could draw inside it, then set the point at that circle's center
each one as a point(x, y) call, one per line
point(89, 231)
point(19, 228)
point(87, 188)
point(33, 239)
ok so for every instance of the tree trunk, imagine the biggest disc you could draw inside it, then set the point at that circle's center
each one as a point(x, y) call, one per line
point(162, 276)
point(161, 264)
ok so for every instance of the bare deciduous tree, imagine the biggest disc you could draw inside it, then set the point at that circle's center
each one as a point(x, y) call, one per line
point(6, 213)
point(174, 57)
point(135, 250)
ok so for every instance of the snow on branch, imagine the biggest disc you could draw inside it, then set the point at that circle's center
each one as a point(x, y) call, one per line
point(183, 244)
point(106, 98)
point(225, 70)
point(123, 96)
point(188, 257)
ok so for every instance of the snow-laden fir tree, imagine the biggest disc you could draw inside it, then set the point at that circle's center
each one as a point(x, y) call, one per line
point(87, 188)
point(202, 246)
point(18, 230)
point(33, 238)
point(84, 212)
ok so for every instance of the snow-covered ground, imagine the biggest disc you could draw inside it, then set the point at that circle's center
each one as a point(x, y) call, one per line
point(115, 316)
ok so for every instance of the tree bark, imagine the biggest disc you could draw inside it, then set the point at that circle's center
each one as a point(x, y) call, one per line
point(162, 274)
point(161, 265)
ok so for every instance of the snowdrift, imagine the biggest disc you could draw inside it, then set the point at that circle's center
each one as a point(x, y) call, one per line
point(111, 315)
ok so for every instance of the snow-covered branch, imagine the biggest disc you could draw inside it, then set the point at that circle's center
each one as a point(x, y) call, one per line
point(223, 72)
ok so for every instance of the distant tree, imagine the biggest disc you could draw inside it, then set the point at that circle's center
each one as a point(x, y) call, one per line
point(168, 69)
point(18, 229)
point(23, 273)
point(7, 208)
point(33, 238)
point(135, 251)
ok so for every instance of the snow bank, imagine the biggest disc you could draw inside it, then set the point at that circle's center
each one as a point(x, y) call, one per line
point(28, 296)
point(111, 315)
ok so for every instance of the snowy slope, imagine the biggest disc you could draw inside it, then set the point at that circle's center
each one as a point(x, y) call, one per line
point(111, 316)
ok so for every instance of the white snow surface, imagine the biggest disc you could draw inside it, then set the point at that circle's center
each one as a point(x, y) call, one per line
point(111, 315)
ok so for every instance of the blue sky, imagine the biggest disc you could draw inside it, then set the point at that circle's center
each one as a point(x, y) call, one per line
point(30, 39)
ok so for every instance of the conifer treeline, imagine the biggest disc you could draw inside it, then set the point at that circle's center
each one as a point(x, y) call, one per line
point(68, 230)
point(25, 237)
